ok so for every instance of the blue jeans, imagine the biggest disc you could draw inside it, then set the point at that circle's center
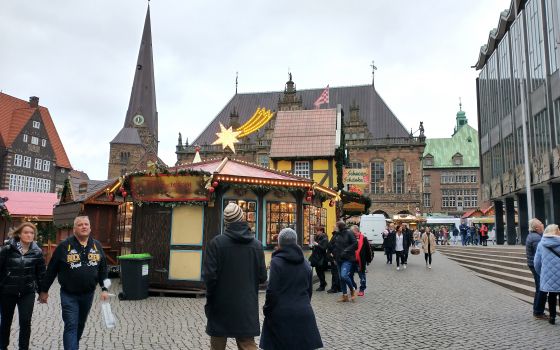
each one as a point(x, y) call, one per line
point(539, 301)
point(75, 310)
point(464, 240)
point(345, 271)
point(361, 275)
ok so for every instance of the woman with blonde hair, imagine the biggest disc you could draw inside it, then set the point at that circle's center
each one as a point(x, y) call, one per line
point(547, 265)
point(22, 269)
point(428, 246)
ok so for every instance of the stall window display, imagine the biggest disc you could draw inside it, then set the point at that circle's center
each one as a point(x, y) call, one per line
point(312, 218)
point(279, 215)
point(249, 211)
point(124, 220)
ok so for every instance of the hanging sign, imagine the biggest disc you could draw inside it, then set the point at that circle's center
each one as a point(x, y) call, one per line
point(168, 188)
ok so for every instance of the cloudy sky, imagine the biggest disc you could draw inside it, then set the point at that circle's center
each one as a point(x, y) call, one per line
point(79, 58)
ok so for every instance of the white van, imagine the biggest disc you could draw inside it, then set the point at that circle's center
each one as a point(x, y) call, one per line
point(372, 226)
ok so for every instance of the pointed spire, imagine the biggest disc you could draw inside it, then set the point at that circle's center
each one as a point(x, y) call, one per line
point(143, 95)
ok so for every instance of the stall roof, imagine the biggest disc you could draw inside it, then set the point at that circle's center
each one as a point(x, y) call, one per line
point(30, 203)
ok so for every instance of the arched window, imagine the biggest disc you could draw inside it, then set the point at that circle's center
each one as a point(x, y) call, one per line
point(398, 176)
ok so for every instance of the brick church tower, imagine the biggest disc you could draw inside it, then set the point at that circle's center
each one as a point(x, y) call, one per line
point(137, 142)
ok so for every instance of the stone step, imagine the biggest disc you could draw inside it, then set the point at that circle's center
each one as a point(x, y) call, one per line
point(492, 255)
point(513, 264)
point(516, 287)
point(510, 277)
point(523, 271)
point(516, 254)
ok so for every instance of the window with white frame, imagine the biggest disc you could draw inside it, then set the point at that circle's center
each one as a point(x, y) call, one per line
point(22, 183)
point(38, 164)
point(26, 162)
point(18, 159)
point(34, 140)
point(25, 137)
point(427, 199)
point(302, 168)
point(36, 124)
point(46, 165)
point(44, 142)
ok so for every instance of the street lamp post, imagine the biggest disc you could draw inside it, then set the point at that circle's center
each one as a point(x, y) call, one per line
point(526, 150)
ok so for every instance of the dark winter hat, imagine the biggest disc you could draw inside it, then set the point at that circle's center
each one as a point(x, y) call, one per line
point(287, 236)
point(232, 213)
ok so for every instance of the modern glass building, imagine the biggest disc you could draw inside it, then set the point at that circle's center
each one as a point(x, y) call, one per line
point(519, 81)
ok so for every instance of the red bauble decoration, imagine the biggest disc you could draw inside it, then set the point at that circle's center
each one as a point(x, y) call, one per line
point(211, 189)
point(124, 194)
point(309, 199)
point(215, 184)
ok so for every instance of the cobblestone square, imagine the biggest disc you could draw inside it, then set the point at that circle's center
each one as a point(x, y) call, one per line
point(446, 307)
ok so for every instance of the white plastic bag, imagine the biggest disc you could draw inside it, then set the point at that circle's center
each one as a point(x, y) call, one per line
point(108, 317)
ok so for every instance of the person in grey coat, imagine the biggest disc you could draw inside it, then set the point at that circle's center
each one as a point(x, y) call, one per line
point(289, 320)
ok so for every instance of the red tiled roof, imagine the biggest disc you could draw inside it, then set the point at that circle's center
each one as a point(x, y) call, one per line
point(304, 133)
point(15, 113)
point(30, 203)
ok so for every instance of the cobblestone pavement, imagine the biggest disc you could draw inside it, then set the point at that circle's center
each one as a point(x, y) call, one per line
point(446, 307)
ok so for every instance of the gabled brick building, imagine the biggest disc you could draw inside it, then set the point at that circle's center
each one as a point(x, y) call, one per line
point(32, 157)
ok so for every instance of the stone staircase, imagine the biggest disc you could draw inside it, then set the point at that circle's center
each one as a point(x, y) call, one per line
point(503, 265)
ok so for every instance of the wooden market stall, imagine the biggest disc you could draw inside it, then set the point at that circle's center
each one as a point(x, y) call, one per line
point(177, 211)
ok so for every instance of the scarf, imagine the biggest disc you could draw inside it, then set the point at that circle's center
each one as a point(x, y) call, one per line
point(360, 245)
point(19, 247)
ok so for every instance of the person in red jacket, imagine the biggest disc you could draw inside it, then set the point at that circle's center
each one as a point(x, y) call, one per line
point(484, 234)
point(363, 258)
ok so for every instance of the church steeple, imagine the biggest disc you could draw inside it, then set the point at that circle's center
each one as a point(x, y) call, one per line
point(142, 111)
point(136, 143)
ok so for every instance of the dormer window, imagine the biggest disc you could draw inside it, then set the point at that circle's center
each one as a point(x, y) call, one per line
point(458, 159)
point(36, 124)
point(429, 160)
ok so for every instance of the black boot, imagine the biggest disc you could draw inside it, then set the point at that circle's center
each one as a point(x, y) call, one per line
point(552, 320)
point(320, 289)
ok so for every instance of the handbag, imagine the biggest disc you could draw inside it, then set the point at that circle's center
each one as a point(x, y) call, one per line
point(415, 251)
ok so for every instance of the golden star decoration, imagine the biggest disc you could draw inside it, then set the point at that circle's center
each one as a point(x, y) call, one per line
point(227, 137)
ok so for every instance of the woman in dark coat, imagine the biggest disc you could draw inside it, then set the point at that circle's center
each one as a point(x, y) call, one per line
point(318, 258)
point(289, 320)
point(22, 270)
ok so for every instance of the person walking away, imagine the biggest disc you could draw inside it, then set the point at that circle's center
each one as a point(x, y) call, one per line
point(408, 241)
point(536, 229)
point(80, 264)
point(344, 251)
point(233, 269)
point(464, 229)
point(428, 246)
point(289, 320)
point(363, 258)
point(476, 235)
point(22, 270)
point(389, 243)
point(455, 234)
point(399, 246)
point(484, 235)
point(547, 265)
point(318, 258)
point(335, 275)
point(445, 236)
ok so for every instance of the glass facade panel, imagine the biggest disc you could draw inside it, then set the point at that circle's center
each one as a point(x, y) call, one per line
point(553, 26)
point(497, 160)
point(556, 111)
point(541, 132)
point(509, 152)
point(535, 43)
point(505, 76)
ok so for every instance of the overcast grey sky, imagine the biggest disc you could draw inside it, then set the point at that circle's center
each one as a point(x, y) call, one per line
point(79, 58)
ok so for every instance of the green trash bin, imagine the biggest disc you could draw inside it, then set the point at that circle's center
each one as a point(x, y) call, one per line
point(134, 276)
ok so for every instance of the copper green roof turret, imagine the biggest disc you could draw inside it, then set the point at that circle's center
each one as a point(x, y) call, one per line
point(461, 118)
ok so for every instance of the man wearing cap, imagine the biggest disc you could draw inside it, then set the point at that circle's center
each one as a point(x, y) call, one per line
point(233, 269)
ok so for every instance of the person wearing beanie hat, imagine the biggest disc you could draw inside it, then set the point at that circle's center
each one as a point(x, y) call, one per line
point(289, 320)
point(233, 268)
point(232, 213)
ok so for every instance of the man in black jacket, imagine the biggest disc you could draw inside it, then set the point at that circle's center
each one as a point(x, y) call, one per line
point(344, 251)
point(233, 269)
point(80, 264)
point(407, 242)
point(536, 229)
